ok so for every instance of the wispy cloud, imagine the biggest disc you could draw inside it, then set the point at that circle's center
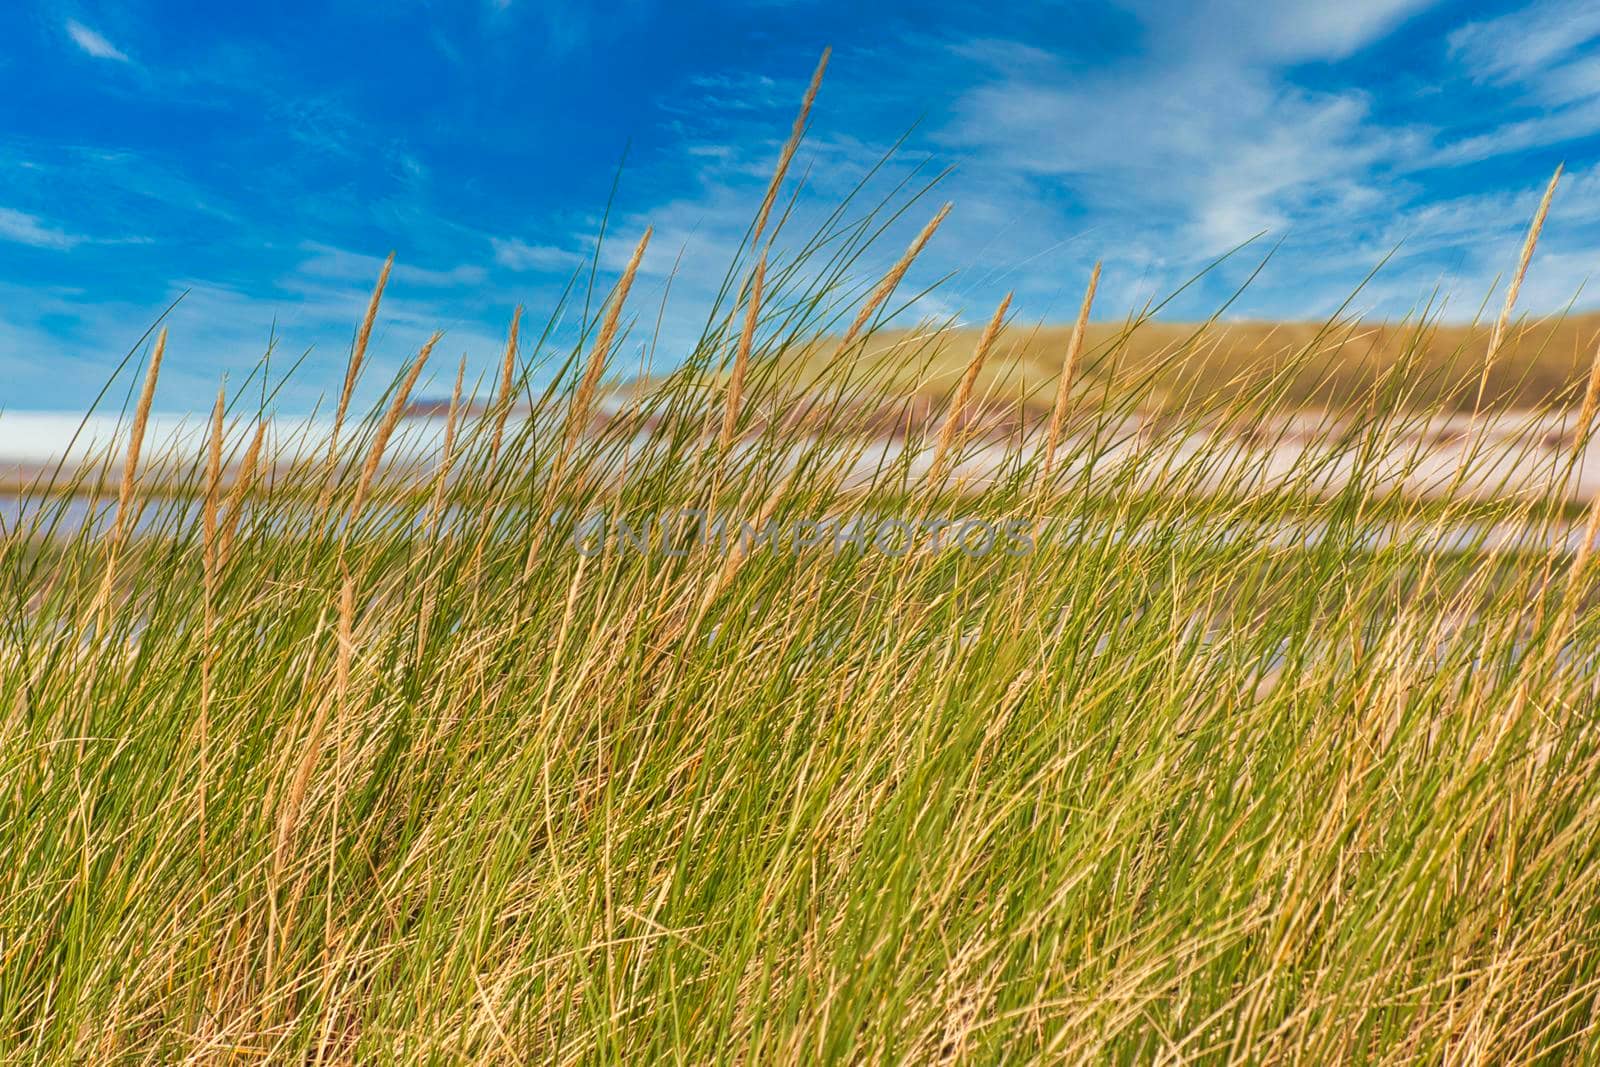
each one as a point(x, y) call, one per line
point(341, 265)
point(518, 255)
point(1547, 128)
point(1532, 46)
point(1221, 30)
point(1544, 54)
point(1210, 133)
point(22, 228)
point(94, 43)
point(1214, 151)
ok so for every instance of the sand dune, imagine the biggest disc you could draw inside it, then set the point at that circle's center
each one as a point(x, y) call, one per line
point(1541, 362)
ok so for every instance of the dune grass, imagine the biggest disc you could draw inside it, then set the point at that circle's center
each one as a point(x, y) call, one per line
point(317, 772)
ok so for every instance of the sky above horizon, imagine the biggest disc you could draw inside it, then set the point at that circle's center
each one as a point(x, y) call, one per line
point(262, 159)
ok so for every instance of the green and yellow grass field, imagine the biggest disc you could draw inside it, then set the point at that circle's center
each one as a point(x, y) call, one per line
point(298, 768)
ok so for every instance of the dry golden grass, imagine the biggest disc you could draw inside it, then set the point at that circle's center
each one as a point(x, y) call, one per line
point(1069, 371)
point(741, 361)
point(963, 393)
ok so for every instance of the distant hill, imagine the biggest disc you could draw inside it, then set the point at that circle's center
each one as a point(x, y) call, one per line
point(1542, 362)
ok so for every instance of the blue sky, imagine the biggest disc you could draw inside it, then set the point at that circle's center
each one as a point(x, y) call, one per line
point(265, 157)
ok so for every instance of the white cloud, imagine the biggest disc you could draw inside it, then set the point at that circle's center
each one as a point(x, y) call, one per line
point(22, 228)
point(520, 255)
point(1211, 152)
point(735, 92)
point(1528, 45)
point(1547, 51)
point(1550, 128)
point(1574, 80)
point(342, 265)
point(94, 43)
point(1320, 30)
point(1280, 32)
point(1208, 137)
point(60, 345)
